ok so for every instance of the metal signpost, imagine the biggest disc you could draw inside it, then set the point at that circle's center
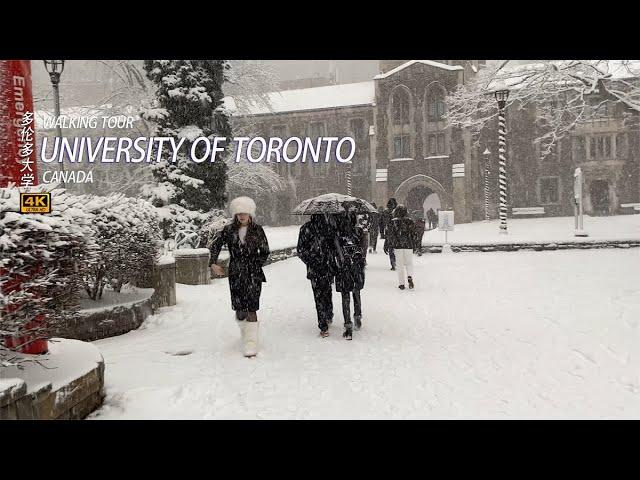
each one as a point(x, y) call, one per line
point(446, 224)
point(577, 197)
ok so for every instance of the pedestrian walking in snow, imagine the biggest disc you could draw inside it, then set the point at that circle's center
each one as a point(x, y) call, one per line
point(387, 218)
point(248, 251)
point(316, 248)
point(374, 229)
point(364, 223)
point(381, 221)
point(350, 270)
point(432, 217)
point(401, 236)
point(420, 226)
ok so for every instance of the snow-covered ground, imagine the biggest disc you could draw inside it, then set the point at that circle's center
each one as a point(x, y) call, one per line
point(484, 335)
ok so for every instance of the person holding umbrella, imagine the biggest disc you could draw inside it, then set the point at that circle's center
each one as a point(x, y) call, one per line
point(317, 250)
point(248, 251)
point(347, 252)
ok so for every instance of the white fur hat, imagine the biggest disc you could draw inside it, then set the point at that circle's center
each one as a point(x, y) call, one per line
point(242, 205)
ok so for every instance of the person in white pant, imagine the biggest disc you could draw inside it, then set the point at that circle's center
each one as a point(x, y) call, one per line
point(401, 233)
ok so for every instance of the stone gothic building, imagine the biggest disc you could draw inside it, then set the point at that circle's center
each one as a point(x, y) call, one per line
point(405, 150)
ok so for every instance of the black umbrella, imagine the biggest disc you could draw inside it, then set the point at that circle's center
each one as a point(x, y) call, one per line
point(332, 203)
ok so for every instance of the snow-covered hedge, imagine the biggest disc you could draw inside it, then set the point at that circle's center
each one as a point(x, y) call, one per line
point(43, 259)
point(127, 233)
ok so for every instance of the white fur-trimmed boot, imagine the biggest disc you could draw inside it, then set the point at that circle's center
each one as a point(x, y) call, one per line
point(250, 339)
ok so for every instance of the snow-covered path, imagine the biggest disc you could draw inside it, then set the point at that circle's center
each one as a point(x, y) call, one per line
point(484, 335)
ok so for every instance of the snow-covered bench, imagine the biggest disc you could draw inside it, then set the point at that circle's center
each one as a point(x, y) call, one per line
point(527, 211)
point(635, 206)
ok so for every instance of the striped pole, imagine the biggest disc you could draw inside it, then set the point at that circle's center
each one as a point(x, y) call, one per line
point(487, 172)
point(502, 155)
point(349, 179)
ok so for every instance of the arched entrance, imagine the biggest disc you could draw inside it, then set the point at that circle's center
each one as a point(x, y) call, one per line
point(421, 192)
point(416, 198)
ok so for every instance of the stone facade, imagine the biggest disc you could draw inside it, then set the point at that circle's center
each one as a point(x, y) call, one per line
point(409, 153)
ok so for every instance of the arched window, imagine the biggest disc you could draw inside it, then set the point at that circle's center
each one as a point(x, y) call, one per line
point(435, 104)
point(400, 107)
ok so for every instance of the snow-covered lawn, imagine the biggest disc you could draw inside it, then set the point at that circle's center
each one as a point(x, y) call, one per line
point(550, 229)
point(282, 237)
point(484, 335)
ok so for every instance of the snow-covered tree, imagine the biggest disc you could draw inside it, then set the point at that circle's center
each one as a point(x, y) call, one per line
point(126, 232)
point(563, 94)
point(249, 82)
point(43, 259)
point(189, 105)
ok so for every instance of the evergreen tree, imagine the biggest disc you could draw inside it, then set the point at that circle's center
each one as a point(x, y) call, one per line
point(189, 96)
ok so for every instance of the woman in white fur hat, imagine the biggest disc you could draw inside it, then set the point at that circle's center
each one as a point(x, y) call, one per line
point(248, 251)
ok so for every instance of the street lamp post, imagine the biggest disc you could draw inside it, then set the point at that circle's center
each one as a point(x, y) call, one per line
point(501, 97)
point(486, 154)
point(54, 69)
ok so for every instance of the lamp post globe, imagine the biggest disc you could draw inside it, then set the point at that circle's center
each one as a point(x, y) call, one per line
point(501, 97)
point(54, 69)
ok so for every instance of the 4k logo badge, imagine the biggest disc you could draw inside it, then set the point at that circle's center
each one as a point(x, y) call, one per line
point(35, 203)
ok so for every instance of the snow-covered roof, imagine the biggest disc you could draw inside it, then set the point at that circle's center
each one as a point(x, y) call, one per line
point(316, 98)
point(431, 63)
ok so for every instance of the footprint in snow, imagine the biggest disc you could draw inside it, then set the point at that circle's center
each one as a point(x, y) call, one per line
point(180, 353)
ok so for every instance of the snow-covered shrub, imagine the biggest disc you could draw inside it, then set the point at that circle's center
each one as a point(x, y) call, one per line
point(174, 218)
point(43, 258)
point(127, 233)
point(214, 223)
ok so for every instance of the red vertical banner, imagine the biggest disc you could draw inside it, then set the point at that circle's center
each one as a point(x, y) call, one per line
point(18, 166)
point(17, 125)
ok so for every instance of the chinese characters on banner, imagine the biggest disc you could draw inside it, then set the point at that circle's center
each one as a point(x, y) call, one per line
point(17, 125)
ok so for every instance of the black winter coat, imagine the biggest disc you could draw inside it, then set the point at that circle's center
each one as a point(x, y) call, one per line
point(375, 222)
point(350, 271)
point(245, 263)
point(316, 249)
point(400, 233)
point(385, 221)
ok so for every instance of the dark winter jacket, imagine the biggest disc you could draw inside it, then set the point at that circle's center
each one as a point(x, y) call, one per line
point(432, 216)
point(316, 248)
point(401, 231)
point(387, 215)
point(350, 258)
point(374, 222)
point(245, 263)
